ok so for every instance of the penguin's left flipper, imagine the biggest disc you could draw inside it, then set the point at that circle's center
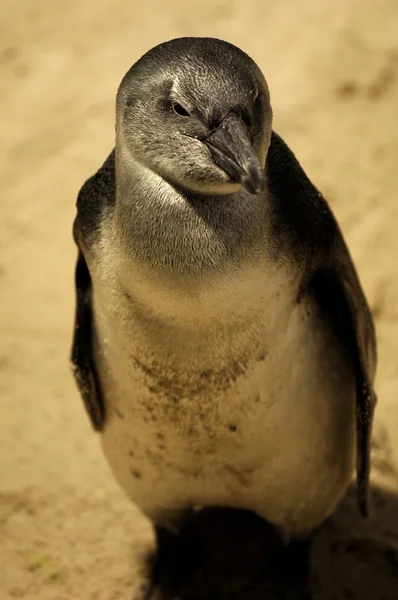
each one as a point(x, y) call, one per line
point(82, 353)
point(340, 295)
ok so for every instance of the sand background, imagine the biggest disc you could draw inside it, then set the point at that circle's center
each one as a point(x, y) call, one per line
point(66, 530)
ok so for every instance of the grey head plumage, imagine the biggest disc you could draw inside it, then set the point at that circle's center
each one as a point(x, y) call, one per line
point(166, 121)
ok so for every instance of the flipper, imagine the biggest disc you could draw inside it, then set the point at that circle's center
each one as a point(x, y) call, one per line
point(339, 294)
point(328, 272)
point(82, 352)
point(95, 202)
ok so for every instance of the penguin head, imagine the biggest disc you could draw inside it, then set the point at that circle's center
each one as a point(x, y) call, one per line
point(196, 111)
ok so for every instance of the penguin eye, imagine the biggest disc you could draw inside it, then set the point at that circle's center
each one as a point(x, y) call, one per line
point(246, 118)
point(179, 110)
point(258, 102)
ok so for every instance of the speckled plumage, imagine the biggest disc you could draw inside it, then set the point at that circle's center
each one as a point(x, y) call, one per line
point(223, 345)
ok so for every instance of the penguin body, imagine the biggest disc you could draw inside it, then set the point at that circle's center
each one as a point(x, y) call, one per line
point(223, 345)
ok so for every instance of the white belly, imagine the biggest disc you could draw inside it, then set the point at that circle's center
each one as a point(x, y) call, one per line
point(255, 412)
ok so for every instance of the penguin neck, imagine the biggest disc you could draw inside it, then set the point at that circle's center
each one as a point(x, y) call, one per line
point(179, 234)
point(189, 257)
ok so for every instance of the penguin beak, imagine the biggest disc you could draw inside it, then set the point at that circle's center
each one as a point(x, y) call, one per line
point(232, 150)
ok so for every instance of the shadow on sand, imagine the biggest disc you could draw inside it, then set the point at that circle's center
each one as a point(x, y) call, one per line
point(225, 554)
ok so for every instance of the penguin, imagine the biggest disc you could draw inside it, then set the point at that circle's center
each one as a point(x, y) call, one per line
point(223, 345)
point(231, 554)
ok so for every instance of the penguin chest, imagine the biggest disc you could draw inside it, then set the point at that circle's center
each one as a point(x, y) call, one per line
point(260, 417)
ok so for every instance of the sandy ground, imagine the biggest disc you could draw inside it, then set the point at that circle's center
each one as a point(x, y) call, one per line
point(66, 530)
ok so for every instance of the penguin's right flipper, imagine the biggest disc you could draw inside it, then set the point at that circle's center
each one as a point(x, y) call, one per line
point(82, 352)
point(95, 201)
